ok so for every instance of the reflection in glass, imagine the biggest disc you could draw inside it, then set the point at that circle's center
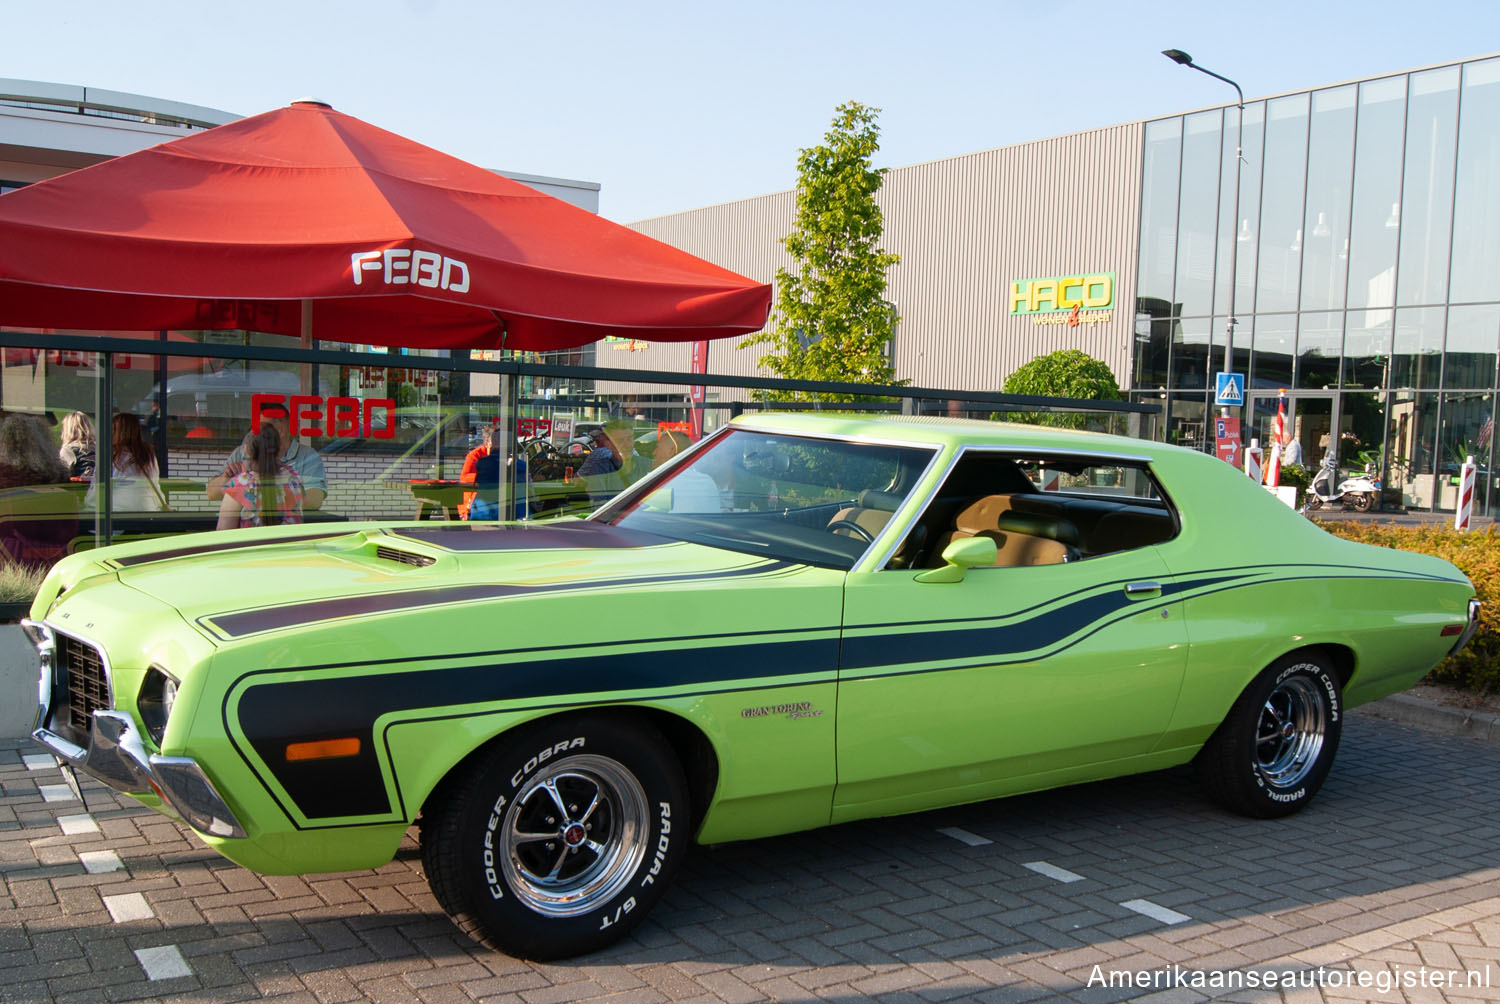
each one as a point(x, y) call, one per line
point(1185, 421)
point(1411, 447)
point(1418, 347)
point(1427, 196)
point(1330, 161)
point(1319, 346)
point(1153, 341)
point(1281, 204)
point(1467, 430)
point(1163, 156)
point(1367, 349)
point(1275, 340)
point(1197, 213)
point(1376, 221)
point(1190, 345)
point(1473, 333)
point(1476, 242)
point(1361, 430)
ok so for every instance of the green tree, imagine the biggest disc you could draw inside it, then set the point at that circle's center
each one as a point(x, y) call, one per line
point(832, 321)
point(1064, 373)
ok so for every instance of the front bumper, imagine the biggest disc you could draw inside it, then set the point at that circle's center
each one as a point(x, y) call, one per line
point(116, 755)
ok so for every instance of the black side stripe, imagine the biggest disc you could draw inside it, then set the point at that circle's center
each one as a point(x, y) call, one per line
point(187, 552)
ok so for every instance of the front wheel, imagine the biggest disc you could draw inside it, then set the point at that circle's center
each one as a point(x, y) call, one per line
point(1273, 750)
point(559, 838)
point(1313, 502)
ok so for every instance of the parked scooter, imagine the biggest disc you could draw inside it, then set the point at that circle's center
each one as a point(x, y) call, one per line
point(1360, 492)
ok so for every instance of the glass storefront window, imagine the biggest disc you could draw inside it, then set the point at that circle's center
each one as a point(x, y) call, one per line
point(1367, 349)
point(1325, 223)
point(1190, 343)
point(1185, 420)
point(1154, 326)
point(1473, 337)
point(1281, 212)
point(1375, 223)
point(1244, 334)
point(1197, 213)
point(1411, 446)
point(1476, 244)
point(1275, 341)
point(1163, 157)
point(1243, 232)
point(1427, 192)
point(1319, 348)
point(1417, 355)
point(1467, 430)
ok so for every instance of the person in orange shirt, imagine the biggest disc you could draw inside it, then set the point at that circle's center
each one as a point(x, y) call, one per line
point(467, 474)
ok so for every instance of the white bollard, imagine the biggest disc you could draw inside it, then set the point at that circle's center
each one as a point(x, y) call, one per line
point(1465, 507)
point(1252, 461)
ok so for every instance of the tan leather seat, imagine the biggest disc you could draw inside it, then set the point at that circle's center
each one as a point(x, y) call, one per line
point(872, 511)
point(1019, 539)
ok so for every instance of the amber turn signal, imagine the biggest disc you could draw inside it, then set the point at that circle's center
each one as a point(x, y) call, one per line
point(325, 749)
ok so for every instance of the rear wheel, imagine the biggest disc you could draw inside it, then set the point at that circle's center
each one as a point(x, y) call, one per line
point(1362, 501)
point(559, 838)
point(1272, 752)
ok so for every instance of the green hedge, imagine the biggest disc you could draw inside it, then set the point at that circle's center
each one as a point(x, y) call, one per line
point(1477, 555)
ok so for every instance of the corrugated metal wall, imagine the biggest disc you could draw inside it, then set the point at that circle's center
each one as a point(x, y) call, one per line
point(966, 228)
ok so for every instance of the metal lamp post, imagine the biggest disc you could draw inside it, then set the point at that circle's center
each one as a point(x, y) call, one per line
point(1182, 58)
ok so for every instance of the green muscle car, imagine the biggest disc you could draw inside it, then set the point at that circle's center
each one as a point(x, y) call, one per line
point(802, 620)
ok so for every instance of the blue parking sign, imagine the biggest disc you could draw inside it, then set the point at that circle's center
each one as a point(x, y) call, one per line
point(1231, 389)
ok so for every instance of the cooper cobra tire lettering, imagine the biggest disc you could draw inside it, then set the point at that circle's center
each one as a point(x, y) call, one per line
point(1274, 749)
point(557, 838)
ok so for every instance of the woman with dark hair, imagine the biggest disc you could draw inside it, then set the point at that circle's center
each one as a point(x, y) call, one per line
point(133, 472)
point(267, 492)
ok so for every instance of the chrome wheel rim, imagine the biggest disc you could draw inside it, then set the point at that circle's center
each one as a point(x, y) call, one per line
point(574, 835)
point(1291, 732)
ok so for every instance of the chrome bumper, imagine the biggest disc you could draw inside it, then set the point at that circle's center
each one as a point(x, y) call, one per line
point(116, 756)
point(1469, 628)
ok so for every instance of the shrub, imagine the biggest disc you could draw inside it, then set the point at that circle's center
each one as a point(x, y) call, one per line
point(19, 583)
point(1477, 555)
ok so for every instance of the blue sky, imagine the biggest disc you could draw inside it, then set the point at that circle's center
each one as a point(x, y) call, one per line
point(674, 105)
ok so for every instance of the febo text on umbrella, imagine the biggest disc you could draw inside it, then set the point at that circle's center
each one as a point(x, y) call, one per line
point(400, 266)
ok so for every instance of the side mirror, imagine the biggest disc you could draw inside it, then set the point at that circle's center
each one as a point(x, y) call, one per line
point(959, 557)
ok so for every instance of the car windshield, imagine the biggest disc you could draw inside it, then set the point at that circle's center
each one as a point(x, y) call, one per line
point(795, 498)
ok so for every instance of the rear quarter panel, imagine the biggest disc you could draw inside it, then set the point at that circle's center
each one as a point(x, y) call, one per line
point(1284, 585)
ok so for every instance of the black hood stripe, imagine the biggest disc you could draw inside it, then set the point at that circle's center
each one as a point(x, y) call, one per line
point(247, 622)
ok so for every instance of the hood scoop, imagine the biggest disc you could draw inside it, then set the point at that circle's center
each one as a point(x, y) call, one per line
point(388, 553)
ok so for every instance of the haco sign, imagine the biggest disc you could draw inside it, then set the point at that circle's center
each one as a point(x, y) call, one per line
point(1068, 299)
point(334, 417)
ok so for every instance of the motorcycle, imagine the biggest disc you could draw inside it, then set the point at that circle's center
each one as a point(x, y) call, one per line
point(1359, 492)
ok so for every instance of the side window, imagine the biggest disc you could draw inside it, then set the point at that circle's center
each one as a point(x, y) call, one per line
point(1041, 509)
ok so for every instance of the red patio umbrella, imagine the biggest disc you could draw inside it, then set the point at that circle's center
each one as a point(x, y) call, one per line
point(260, 222)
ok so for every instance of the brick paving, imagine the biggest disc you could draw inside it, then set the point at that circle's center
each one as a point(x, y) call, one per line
point(1391, 878)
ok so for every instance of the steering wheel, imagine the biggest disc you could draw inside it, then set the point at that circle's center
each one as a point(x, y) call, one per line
point(848, 523)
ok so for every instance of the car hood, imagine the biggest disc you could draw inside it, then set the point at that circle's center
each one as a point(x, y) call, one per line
point(233, 586)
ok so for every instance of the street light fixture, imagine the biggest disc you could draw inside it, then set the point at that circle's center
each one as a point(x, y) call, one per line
point(1183, 59)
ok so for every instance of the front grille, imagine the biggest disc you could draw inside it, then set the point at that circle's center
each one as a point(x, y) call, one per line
point(405, 557)
point(80, 672)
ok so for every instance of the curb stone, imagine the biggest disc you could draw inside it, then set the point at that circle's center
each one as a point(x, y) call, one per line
point(1431, 716)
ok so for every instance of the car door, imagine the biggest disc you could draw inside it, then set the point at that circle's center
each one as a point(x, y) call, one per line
point(1012, 679)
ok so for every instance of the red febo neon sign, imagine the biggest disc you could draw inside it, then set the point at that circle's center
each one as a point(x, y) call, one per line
point(334, 417)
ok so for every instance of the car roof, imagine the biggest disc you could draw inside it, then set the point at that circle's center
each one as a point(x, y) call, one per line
point(944, 431)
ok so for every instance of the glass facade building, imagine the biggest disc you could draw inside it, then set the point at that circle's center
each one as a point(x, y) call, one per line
point(1367, 285)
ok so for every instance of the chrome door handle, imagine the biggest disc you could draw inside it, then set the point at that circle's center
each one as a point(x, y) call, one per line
point(1142, 590)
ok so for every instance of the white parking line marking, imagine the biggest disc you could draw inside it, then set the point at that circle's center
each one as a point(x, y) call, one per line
point(39, 761)
point(128, 907)
point(99, 862)
point(1156, 912)
point(56, 793)
point(74, 825)
point(162, 963)
point(964, 836)
point(1052, 871)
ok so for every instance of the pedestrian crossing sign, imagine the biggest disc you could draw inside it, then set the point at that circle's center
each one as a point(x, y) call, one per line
point(1231, 389)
